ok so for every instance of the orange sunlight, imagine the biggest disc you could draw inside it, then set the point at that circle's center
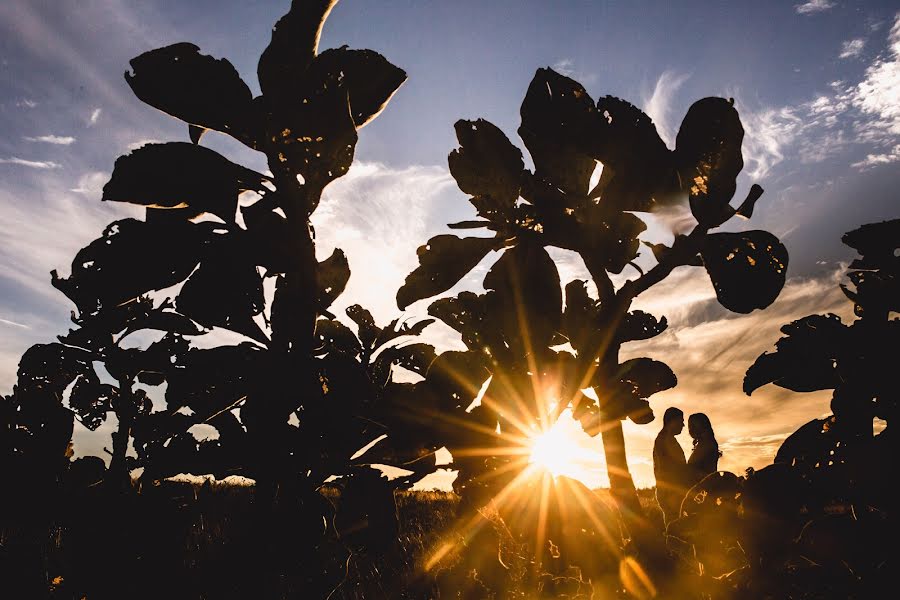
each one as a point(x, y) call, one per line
point(558, 451)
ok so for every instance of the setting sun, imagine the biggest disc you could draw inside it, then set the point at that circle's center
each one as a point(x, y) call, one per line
point(557, 450)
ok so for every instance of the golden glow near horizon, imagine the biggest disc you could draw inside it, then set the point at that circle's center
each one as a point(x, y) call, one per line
point(558, 451)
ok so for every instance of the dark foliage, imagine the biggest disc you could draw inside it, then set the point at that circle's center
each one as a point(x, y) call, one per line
point(511, 329)
point(296, 360)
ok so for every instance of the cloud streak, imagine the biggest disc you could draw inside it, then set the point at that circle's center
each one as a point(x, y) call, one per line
point(659, 104)
point(813, 6)
point(58, 140)
point(31, 164)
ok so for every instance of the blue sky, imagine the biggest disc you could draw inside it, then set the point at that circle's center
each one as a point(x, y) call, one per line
point(817, 85)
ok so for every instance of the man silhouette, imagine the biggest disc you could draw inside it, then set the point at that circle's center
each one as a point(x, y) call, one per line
point(669, 465)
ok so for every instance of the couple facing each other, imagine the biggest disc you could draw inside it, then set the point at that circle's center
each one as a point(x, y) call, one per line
point(675, 475)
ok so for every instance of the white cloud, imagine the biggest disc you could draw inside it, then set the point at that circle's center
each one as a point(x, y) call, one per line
point(59, 140)
point(872, 160)
point(144, 142)
point(658, 106)
point(91, 184)
point(564, 67)
point(33, 164)
point(378, 216)
point(767, 134)
point(26, 103)
point(95, 116)
point(862, 115)
point(878, 95)
point(813, 6)
point(852, 48)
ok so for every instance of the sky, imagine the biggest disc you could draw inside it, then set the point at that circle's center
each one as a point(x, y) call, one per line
point(817, 85)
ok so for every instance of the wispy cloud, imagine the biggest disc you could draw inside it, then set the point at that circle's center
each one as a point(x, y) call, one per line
point(659, 104)
point(14, 324)
point(95, 116)
point(59, 140)
point(768, 133)
point(864, 115)
point(852, 48)
point(567, 67)
point(91, 184)
point(26, 103)
point(813, 7)
point(872, 160)
point(379, 216)
point(564, 67)
point(33, 164)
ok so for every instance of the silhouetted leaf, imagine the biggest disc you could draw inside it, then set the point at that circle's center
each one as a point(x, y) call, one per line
point(225, 291)
point(456, 378)
point(876, 242)
point(179, 174)
point(131, 258)
point(52, 367)
point(876, 276)
point(368, 330)
point(316, 137)
point(466, 313)
point(273, 242)
point(610, 238)
point(213, 379)
point(637, 166)
point(91, 400)
point(166, 320)
point(369, 78)
point(205, 92)
point(332, 277)
point(661, 250)
point(647, 375)
point(414, 357)
point(529, 298)
point(638, 325)
point(580, 320)
point(806, 360)
point(747, 269)
point(334, 336)
point(559, 122)
point(810, 444)
point(156, 360)
point(396, 329)
point(708, 154)
point(443, 261)
point(469, 224)
point(295, 41)
point(487, 164)
point(625, 392)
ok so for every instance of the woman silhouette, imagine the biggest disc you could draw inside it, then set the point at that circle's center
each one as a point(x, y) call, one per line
point(705, 455)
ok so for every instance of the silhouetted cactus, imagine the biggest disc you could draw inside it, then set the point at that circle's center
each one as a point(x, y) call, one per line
point(855, 360)
point(511, 330)
point(305, 122)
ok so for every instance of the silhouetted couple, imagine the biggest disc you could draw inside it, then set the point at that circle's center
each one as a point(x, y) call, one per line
point(675, 475)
